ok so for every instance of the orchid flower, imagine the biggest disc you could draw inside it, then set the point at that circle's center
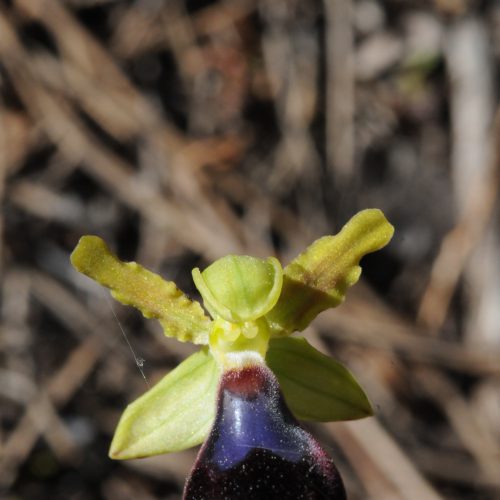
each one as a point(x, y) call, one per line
point(243, 391)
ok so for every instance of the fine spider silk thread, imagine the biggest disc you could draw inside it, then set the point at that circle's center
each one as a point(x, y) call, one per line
point(138, 361)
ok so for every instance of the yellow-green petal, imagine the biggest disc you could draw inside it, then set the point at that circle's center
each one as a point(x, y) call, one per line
point(176, 414)
point(240, 288)
point(315, 386)
point(133, 285)
point(319, 277)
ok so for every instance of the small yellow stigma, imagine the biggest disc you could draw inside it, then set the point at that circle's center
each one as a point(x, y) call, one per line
point(237, 344)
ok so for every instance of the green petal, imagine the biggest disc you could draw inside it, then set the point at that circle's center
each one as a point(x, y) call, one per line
point(176, 414)
point(239, 288)
point(133, 285)
point(319, 277)
point(315, 386)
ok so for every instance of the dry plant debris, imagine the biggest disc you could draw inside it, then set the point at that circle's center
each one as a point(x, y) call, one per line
point(181, 131)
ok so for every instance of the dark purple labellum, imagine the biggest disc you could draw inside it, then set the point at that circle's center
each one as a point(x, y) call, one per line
point(257, 449)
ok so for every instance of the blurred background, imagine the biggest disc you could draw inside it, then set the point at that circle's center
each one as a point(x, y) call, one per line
point(183, 130)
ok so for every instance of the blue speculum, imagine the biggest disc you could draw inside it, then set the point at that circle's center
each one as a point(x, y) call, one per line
point(257, 449)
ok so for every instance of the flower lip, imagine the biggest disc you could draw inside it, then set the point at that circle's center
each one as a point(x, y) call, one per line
point(239, 288)
point(247, 381)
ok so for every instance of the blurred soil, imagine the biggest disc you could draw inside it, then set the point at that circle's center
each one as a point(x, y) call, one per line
point(183, 130)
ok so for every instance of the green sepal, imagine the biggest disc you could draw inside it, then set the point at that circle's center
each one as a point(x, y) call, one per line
point(315, 386)
point(133, 285)
point(240, 288)
point(319, 277)
point(176, 414)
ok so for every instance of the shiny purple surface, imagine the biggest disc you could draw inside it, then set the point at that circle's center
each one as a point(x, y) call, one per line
point(257, 449)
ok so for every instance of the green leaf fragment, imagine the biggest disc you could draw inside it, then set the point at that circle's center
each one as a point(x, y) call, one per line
point(239, 288)
point(176, 414)
point(319, 277)
point(132, 284)
point(315, 386)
